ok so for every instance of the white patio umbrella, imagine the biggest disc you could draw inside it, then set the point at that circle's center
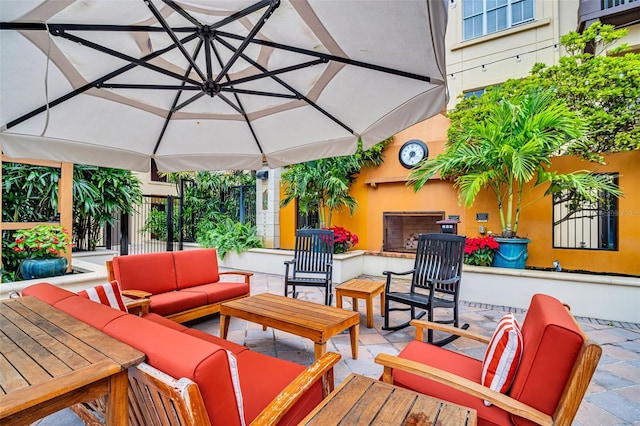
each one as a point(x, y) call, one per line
point(214, 84)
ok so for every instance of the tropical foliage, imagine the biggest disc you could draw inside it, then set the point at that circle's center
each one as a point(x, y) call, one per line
point(322, 186)
point(227, 235)
point(603, 87)
point(509, 146)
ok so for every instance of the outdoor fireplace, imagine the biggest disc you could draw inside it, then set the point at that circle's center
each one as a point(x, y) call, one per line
point(401, 229)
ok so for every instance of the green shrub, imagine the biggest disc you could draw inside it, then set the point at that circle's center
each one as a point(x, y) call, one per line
point(227, 235)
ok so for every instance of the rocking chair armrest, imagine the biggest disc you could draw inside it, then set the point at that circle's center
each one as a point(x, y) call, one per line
point(281, 404)
point(389, 273)
point(246, 275)
point(136, 294)
point(389, 362)
point(420, 325)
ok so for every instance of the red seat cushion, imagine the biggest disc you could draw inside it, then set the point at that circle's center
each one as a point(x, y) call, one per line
point(457, 363)
point(263, 377)
point(152, 272)
point(221, 291)
point(47, 292)
point(230, 346)
point(176, 301)
point(195, 267)
point(552, 342)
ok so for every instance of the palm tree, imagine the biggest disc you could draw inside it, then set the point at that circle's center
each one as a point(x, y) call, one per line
point(510, 144)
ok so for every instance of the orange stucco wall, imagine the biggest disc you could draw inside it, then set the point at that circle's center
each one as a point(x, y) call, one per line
point(384, 189)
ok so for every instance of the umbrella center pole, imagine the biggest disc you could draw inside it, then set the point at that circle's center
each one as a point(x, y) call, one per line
point(210, 87)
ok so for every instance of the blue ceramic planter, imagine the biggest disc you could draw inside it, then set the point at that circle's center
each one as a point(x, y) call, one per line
point(42, 268)
point(512, 253)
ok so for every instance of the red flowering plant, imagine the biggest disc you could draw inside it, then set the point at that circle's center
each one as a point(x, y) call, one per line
point(479, 251)
point(42, 241)
point(343, 239)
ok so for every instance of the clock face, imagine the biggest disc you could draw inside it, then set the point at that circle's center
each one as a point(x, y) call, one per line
point(413, 152)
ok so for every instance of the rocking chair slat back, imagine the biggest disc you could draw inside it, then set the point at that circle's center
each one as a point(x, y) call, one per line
point(438, 262)
point(313, 251)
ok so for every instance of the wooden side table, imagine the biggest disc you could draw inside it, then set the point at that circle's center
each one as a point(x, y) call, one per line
point(362, 289)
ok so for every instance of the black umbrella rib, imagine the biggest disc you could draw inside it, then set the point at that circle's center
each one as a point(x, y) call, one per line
point(29, 26)
point(330, 57)
point(147, 86)
point(175, 39)
point(244, 114)
point(139, 62)
point(94, 83)
point(175, 101)
point(181, 11)
point(245, 41)
point(274, 72)
point(288, 87)
point(259, 93)
point(244, 12)
point(188, 101)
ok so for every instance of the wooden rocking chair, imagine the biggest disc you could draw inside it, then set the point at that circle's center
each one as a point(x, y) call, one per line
point(435, 282)
point(312, 263)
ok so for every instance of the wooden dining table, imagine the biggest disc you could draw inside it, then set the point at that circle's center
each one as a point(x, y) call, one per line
point(360, 400)
point(49, 361)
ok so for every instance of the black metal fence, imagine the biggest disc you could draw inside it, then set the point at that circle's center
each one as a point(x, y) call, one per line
point(162, 223)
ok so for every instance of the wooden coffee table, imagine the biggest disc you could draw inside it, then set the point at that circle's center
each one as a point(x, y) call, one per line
point(51, 361)
point(305, 319)
point(362, 289)
point(360, 400)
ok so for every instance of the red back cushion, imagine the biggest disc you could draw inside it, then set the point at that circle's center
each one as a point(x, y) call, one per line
point(503, 355)
point(107, 294)
point(196, 267)
point(153, 272)
point(552, 342)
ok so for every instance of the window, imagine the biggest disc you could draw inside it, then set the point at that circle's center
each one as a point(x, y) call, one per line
point(477, 93)
point(481, 17)
point(582, 224)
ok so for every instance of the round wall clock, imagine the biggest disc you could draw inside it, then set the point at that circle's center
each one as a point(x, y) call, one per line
point(412, 152)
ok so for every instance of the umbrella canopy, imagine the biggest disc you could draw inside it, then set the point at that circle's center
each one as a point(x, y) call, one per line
point(214, 84)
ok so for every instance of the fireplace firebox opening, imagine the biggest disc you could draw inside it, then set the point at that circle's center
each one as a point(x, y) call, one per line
point(401, 229)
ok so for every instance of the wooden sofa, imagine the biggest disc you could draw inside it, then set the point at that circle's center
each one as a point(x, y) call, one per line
point(182, 285)
point(557, 364)
point(204, 379)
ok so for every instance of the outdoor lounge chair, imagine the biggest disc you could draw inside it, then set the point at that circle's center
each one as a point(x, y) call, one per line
point(435, 282)
point(549, 383)
point(312, 263)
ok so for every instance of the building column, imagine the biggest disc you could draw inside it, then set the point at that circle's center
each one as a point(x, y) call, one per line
point(268, 206)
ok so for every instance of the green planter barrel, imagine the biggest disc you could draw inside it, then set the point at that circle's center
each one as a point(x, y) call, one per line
point(512, 253)
point(42, 268)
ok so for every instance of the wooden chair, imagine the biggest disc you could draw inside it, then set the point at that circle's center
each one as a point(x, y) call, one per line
point(157, 399)
point(550, 369)
point(435, 282)
point(312, 263)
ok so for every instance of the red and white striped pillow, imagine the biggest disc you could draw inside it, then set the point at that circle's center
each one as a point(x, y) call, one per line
point(503, 355)
point(107, 294)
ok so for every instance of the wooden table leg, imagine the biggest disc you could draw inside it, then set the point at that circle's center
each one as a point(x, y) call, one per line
point(224, 326)
point(382, 304)
point(338, 299)
point(353, 334)
point(319, 349)
point(354, 302)
point(117, 412)
point(369, 299)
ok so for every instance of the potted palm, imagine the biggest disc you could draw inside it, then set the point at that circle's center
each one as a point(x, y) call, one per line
point(509, 145)
point(42, 244)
